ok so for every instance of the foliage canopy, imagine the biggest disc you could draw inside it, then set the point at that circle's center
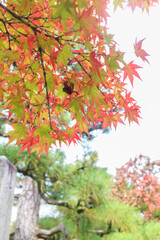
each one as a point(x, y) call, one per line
point(57, 58)
point(138, 183)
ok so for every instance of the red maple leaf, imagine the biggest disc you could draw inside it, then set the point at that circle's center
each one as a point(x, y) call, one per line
point(101, 6)
point(95, 64)
point(31, 42)
point(130, 72)
point(139, 51)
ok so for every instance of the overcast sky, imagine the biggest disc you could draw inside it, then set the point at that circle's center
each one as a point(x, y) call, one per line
point(117, 147)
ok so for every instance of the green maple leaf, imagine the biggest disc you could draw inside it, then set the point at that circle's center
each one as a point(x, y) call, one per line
point(18, 110)
point(118, 3)
point(64, 55)
point(18, 133)
point(43, 131)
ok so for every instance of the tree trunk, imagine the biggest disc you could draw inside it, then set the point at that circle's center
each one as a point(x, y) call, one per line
point(28, 211)
point(7, 184)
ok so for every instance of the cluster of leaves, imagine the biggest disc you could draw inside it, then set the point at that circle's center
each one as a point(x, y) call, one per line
point(57, 58)
point(144, 5)
point(138, 183)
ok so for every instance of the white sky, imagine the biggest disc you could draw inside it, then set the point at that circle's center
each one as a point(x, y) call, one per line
point(117, 147)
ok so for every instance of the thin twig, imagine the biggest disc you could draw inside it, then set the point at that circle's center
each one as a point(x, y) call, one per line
point(46, 85)
point(83, 68)
point(30, 67)
point(10, 24)
point(8, 34)
point(18, 17)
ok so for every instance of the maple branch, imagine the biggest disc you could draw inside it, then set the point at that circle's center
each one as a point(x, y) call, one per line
point(9, 40)
point(46, 85)
point(18, 17)
point(10, 24)
point(2, 135)
point(83, 68)
point(68, 40)
point(21, 19)
point(30, 14)
point(30, 67)
point(43, 233)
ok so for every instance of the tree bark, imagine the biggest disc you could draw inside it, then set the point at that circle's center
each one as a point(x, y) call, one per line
point(7, 184)
point(28, 211)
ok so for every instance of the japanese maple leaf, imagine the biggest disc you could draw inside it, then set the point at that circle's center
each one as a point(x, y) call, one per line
point(31, 42)
point(130, 72)
point(101, 6)
point(95, 64)
point(139, 51)
point(133, 4)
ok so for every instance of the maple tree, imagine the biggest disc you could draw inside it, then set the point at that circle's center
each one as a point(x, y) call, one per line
point(58, 58)
point(138, 183)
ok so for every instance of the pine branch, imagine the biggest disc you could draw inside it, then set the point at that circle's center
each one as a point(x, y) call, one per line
point(55, 202)
point(46, 233)
point(100, 232)
point(103, 232)
point(43, 233)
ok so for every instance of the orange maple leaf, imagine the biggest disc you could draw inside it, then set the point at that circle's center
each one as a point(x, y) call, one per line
point(31, 42)
point(130, 72)
point(139, 51)
point(101, 6)
point(95, 64)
